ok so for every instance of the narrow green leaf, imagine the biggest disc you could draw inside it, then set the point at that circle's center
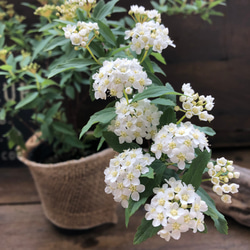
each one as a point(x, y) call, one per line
point(219, 220)
point(29, 87)
point(159, 57)
point(41, 45)
point(155, 91)
point(194, 174)
point(70, 92)
point(6, 67)
point(27, 100)
point(163, 101)
point(101, 13)
point(2, 37)
point(2, 114)
point(58, 41)
point(62, 128)
point(52, 111)
point(106, 32)
point(145, 231)
point(207, 130)
point(103, 116)
point(76, 63)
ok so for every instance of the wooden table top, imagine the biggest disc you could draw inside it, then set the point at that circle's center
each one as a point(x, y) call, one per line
point(23, 225)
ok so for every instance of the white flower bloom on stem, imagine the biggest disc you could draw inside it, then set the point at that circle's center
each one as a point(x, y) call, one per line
point(179, 143)
point(195, 105)
point(178, 212)
point(148, 35)
point(141, 15)
point(114, 77)
point(226, 198)
point(221, 173)
point(122, 175)
point(79, 33)
point(135, 121)
point(69, 30)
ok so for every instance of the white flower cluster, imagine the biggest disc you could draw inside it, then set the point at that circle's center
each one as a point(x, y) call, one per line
point(177, 208)
point(81, 2)
point(122, 175)
point(179, 143)
point(116, 76)
point(193, 104)
point(140, 14)
point(149, 34)
point(221, 173)
point(79, 34)
point(135, 121)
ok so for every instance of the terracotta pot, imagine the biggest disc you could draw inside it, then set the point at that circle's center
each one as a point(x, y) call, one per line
point(72, 192)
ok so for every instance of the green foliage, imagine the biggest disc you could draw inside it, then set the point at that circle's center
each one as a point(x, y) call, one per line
point(203, 8)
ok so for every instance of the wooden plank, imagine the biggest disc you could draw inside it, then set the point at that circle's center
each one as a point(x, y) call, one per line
point(25, 228)
point(231, 91)
point(17, 186)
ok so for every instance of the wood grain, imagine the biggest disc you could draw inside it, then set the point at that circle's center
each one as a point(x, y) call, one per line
point(25, 228)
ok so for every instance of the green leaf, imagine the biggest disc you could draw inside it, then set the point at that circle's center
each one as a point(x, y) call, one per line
point(62, 128)
point(103, 116)
point(106, 33)
point(41, 45)
point(2, 114)
point(168, 116)
point(27, 100)
point(6, 67)
point(18, 41)
point(159, 57)
point(102, 11)
point(2, 37)
point(207, 130)
point(73, 141)
point(149, 174)
point(58, 41)
point(219, 220)
point(113, 142)
point(145, 231)
point(155, 91)
point(194, 174)
point(47, 83)
point(15, 138)
point(163, 101)
point(52, 111)
point(70, 92)
point(76, 63)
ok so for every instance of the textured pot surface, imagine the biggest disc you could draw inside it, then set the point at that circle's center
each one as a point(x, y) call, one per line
point(72, 192)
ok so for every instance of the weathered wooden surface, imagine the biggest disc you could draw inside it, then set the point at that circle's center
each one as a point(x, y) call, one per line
point(23, 225)
point(25, 228)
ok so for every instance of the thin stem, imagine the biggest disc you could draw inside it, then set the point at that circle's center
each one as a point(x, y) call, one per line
point(182, 118)
point(91, 53)
point(205, 180)
point(126, 96)
point(145, 54)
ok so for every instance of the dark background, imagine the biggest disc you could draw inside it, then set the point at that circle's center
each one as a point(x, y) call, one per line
point(214, 58)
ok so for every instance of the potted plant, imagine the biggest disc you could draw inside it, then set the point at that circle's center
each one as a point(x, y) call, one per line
point(65, 169)
point(161, 156)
